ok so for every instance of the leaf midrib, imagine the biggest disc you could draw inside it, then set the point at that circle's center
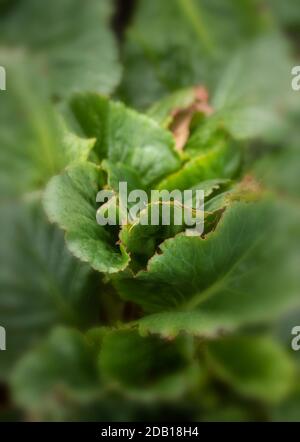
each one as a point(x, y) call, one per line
point(200, 297)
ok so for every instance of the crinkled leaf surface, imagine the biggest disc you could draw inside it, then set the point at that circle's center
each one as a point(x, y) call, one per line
point(127, 137)
point(144, 231)
point(190, 269)
point(229, 278)
point(70, 201)
point(118, 172)
point(221, 161)
point(71, 39)
point(164, 219)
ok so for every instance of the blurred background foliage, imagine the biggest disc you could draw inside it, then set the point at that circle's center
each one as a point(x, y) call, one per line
point(63, 361)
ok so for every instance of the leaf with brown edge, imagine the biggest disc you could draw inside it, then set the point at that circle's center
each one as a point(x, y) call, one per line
point(182, 118)
point(235, 276)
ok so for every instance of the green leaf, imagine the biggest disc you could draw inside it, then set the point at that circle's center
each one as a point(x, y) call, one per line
point(70, 201)
point(58, 373)
point(220, 162)
point(127, 137)
point(256, 367)
point(238, 274)
point(129, 361)
point(61, 381)
point(39, 145)
point(41, 283)
point(118, 172)
point(141, 237)
point(177, 44)
point(189, 269)
point(72, 40)
point(76, 149)
point(198, 323)
point(161, 111)
point(251, 98)
point(252, 95)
